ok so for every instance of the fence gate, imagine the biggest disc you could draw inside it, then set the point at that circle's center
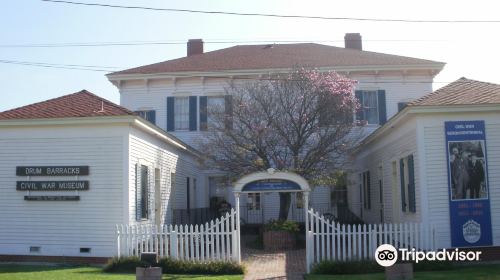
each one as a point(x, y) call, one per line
point(214, 241)
point(328, 240)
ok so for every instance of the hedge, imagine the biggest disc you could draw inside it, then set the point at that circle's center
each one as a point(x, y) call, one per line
point(171, 266)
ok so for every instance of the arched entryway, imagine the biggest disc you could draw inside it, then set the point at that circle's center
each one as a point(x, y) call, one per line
point(271, 181)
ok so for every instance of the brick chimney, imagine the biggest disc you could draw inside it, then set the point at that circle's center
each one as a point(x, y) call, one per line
point(353, 41)
point(195, 46)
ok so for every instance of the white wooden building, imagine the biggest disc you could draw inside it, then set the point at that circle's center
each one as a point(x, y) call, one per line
point(83, 129)
point(412, 144)
point(174, 92)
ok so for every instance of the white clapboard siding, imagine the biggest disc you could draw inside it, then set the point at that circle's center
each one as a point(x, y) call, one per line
point(383, 155)
point(62, 227)
point(136, 94)
point(330, 241)
point(168, 159)
point(214, 241)
point(437, 172)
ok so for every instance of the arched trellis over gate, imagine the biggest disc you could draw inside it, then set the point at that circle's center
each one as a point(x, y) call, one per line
point(270, 181)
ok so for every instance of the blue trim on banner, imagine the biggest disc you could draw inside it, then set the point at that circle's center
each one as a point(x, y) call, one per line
point(275, 185)
point(468, 185)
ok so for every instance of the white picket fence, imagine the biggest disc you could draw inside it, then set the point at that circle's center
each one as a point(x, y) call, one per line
point(214, 241)
point(330, 241)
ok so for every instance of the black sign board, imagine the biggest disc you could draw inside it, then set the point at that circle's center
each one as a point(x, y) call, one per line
point(52, 185)
point(51, 170)
point(52, 198)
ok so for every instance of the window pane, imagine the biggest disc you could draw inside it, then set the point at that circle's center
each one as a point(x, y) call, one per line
point(370, 104)
point(214, 103)
point(144, 191)
point(181, 112)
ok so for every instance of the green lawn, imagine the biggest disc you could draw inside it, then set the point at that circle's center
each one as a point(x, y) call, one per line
point(25, 272)
point(479, 272)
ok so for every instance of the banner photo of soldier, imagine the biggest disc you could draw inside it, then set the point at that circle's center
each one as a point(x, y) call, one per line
point(467, 165)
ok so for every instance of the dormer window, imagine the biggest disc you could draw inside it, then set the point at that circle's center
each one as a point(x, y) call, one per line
point(147, 114)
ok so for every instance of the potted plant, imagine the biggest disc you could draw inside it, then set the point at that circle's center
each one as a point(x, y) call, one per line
point(280, 235)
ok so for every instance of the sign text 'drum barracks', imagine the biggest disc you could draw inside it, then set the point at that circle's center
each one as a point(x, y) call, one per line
point(52, 170)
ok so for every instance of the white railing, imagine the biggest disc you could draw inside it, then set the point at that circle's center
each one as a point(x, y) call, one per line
point(330, 241)
point(214, 241)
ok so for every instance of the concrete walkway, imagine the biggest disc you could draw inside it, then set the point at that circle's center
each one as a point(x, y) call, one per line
point(272, 265)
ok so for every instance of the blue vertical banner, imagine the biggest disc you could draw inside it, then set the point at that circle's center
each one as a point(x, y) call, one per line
point(470, 214)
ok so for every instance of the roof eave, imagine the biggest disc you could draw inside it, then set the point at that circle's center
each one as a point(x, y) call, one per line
point(436, 67)
point(429, 109)
point(125, 119)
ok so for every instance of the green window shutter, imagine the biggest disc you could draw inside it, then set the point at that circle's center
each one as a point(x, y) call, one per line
point(401, 105)
point(402, 175)
point(151, 180)
point(138, 191)
point(228, 107)
point(364, 190)
point(369, 190)
point(359, 112)
point(382, 108)
point(192, 113)
point(203, 112)
point(152, 116)
point(411, 185)
point(170, 114)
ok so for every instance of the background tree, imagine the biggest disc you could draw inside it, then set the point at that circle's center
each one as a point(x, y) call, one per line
point(299, 122)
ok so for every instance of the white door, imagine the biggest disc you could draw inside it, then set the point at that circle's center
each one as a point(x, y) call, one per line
point(254, 209)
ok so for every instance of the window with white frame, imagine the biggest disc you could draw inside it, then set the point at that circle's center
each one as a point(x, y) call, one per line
point(147, 114)
point(142, 191)
point(253, 201)
point(214, 103)
point(181, 113)
point(370, 106)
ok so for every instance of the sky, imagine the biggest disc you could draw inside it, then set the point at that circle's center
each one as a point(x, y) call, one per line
point(468, 49)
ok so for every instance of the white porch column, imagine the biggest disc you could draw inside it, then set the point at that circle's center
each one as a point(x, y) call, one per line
point(237, 200)
point(306, 197)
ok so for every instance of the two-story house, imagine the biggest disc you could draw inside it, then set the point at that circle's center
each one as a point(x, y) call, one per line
point(171, 94)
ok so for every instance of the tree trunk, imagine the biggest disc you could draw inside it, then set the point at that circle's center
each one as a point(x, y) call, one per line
point(285, 199)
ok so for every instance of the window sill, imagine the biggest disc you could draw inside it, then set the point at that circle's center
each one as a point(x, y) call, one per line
point(143, 220)
point(183, 130)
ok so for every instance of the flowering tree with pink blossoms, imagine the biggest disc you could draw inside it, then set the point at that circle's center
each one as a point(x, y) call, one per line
point(300, 122)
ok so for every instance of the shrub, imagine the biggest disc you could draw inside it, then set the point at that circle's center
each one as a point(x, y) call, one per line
point(371, 266)
point(123, 264)
point(171, 266)
point(276, 225)
point(347, 267)
point(427, 265)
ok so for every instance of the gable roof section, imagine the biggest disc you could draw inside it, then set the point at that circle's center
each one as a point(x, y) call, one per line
point(461, 92)
point(277, 56)
point(80, 104)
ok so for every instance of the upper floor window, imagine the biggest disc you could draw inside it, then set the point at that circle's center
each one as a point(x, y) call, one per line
point(373, 107)
point(370, 105)
point(181, 113)
point(149, 115)
point(215, 103)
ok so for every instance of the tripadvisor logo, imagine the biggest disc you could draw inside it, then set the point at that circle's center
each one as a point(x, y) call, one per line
point(386, 255)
